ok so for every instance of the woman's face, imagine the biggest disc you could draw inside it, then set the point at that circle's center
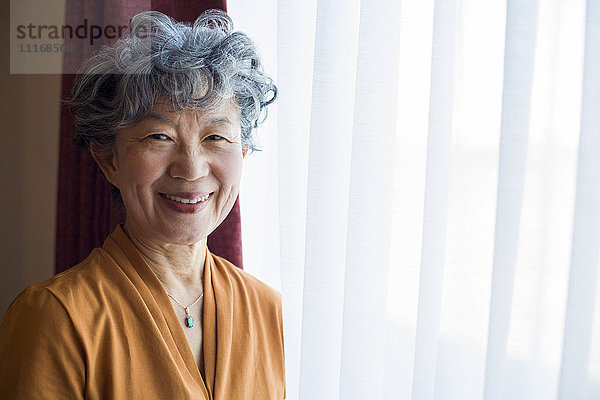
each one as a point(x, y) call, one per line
point(178, 173)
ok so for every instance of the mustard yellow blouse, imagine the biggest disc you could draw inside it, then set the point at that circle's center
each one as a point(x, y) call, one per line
point(106, 329)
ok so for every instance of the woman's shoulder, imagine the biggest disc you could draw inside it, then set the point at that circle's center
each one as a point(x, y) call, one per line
point(247, 284)
point(76, 287)
point(40, 344)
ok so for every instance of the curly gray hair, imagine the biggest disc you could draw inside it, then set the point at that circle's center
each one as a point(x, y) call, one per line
point(194, 66)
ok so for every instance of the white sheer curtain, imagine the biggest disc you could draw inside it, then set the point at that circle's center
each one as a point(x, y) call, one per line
point(427, 201)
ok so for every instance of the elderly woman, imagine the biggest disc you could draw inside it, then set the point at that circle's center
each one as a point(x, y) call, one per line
point(167, 115)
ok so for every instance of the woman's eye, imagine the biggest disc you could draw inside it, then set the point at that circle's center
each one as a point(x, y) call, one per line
point(158, 136)
point(214, 137)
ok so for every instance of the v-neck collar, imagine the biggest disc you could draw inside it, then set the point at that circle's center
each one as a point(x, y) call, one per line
point(163, 313)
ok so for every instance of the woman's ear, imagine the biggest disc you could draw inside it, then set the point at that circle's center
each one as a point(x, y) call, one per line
point(245, 147)
point(108, 165)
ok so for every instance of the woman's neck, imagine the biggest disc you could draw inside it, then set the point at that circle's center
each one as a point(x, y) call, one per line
point(180, 268)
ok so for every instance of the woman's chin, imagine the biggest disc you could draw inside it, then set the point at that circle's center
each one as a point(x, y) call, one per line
point(185, 236)
point(169, 233)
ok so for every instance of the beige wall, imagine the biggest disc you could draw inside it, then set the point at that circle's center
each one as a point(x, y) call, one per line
point(29, 106)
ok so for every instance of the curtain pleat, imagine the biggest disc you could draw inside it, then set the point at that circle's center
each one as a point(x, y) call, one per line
point(372, 169)
point(327, 196)
point(575, 367)
point(85, 215)
point(436, 198)
point(295, 55)
point(416, 28)
point(519, 55)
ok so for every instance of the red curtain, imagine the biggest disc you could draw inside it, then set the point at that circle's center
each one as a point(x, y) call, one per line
point(85, 215)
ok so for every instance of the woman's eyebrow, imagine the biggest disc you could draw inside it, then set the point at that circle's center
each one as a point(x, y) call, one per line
point(161, 118)
point(167, 120)
point(221, 120)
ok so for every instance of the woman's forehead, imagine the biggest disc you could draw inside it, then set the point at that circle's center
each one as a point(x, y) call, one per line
point(226, 109)
point(164, 112)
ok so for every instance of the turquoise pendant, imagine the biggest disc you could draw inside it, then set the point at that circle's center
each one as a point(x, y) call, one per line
point(189, 321)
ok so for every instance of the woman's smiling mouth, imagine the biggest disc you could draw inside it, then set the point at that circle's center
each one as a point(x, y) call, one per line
point(187, 203)
point(187, 200)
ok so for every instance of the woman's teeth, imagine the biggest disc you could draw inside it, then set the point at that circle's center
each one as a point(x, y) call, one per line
point(187, 201)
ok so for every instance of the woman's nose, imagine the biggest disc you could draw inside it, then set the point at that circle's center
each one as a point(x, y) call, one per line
point(190, 165)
